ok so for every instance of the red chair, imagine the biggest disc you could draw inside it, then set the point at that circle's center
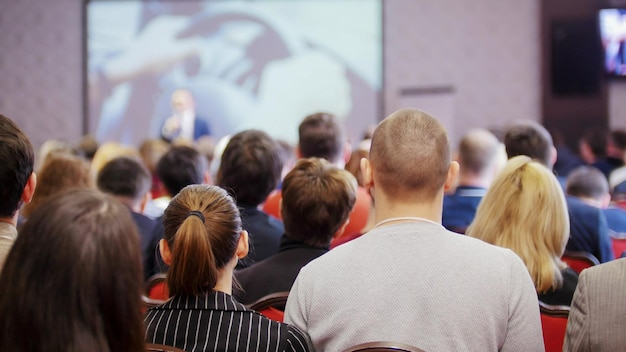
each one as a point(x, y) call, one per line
point(619, 246)
point(272, 305)
point(153, 347)
point(156, 288)
point(553, 325)
point(579, 261)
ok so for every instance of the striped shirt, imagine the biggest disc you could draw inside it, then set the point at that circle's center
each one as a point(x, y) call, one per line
point(216, 322)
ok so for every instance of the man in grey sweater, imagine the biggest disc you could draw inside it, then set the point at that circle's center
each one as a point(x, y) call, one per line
point(409, 280)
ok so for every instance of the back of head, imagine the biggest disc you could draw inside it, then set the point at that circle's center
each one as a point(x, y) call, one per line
point(60, 173)
point(531, 139)
point(317, 200)
point(107, 152)
point(410, 155)
point(596, 140)
point(525, 210)
point(151, 150)
point(125, 177)
point(181, 166)
point(478, 151)
point(73, 279)
point(201, 226)
point(320, 136)
point(617, 144)
point(17, 164)
point(587, 182)
point(250, 167)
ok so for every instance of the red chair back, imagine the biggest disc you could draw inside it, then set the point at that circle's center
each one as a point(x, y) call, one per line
point(619, 246)
point(156, 287)
point(553, 324)
point(272, 305)
point(579, 261)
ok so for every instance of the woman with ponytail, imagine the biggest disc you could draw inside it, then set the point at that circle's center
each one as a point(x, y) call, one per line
point(203, 240)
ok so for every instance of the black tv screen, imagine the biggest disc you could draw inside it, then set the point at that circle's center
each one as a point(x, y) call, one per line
point(612, 24)
point(262, 64)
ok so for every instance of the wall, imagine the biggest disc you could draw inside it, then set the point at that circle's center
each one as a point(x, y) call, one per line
point(470, 63)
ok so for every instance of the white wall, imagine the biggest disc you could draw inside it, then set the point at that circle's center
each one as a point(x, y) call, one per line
point(487, 51)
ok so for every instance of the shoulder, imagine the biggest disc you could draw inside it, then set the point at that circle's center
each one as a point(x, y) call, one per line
point(606, 271)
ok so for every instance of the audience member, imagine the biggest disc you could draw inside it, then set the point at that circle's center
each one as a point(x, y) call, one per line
point(587, 223)
point(361, 291)
point(179, 167)
point(52, 147)
point(72, 281)
point(151, 151)
point(480, 158)
point(317, 200)
point(525, 210)
point(321, 136)
point(129, 181)
point(87, 147)
point(17, 180)
point(60, 173)
point(604, 150)
point(250, 169)
point(202, 242)
point(589, 185)
point(107, 152)
point(596, 320)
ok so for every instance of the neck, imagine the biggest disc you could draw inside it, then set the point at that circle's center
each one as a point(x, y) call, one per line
point(590, 201)
point(471, 180)
point(11, 220)
point(388, 209)
point(225, 278)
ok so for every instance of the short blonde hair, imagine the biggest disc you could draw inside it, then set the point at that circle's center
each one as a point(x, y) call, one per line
point(410, 155)
point(525, 210)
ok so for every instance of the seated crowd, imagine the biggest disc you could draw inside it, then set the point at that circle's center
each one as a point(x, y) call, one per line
point(457, 254)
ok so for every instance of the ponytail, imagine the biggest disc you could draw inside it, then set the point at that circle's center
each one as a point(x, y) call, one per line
point(193, 270)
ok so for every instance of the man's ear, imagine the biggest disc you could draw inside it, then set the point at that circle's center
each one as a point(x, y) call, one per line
point(298, 152)
point(207, 180)
point(342, 229)
point(242, 245)
point(144, 201)
point(553, 156)
point(366, 171)
point(166, 254)
point(29, 188)
point(453, 172)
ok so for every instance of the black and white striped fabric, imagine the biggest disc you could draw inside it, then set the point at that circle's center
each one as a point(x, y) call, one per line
point(217, 322)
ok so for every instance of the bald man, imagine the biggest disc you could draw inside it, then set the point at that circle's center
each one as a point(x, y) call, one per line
point(184, 124)
point(410, 280)
point(481, 156)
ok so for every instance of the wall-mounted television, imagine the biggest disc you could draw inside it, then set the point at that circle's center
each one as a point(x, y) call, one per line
point(262, 64)
point(612, 24)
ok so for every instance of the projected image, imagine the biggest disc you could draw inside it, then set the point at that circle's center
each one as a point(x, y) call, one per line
point(236, 65)
point(613, 34)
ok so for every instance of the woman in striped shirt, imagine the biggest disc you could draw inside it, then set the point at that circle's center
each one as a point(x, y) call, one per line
point(203, 240)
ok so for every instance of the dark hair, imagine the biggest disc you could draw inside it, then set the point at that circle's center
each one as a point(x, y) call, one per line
point(125, 177)
point(73, 279)
point(200, 248)
point(250, 167)
point(317, 200)
point(597, 140)
point(320, 136)
point(618, 138)
point(531, 139)
point(181, 166)
point(60, 173)
point(587, 181)
point(17, 164)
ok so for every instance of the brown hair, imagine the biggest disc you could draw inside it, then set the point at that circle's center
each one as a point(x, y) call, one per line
point(200, 248)
point(317, 200)
point(410, 154)
point(531, 139)
point(478, 151)
point(320, 136)
point(18, 159)
point(60, 173)
point(73, 279)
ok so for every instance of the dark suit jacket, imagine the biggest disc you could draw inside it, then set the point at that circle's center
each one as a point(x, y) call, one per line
point(562, 296)
point(264, 234)
point(276, 273)
point(200, 128)
point(216, 322)
point(148, 242)
point(459, 208)
point(589, 231)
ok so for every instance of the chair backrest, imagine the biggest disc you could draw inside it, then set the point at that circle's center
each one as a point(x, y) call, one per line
point(272, 305)
point(153, 347)
point(156, 287)
point(553, 324)
point(579, 261)
point(383, 346)
point(619, 246)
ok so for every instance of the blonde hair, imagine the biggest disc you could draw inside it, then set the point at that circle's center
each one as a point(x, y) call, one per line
point(525, 210)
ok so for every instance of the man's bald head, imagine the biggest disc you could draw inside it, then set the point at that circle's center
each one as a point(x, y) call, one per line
point(478, 151)
point(410, 155)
